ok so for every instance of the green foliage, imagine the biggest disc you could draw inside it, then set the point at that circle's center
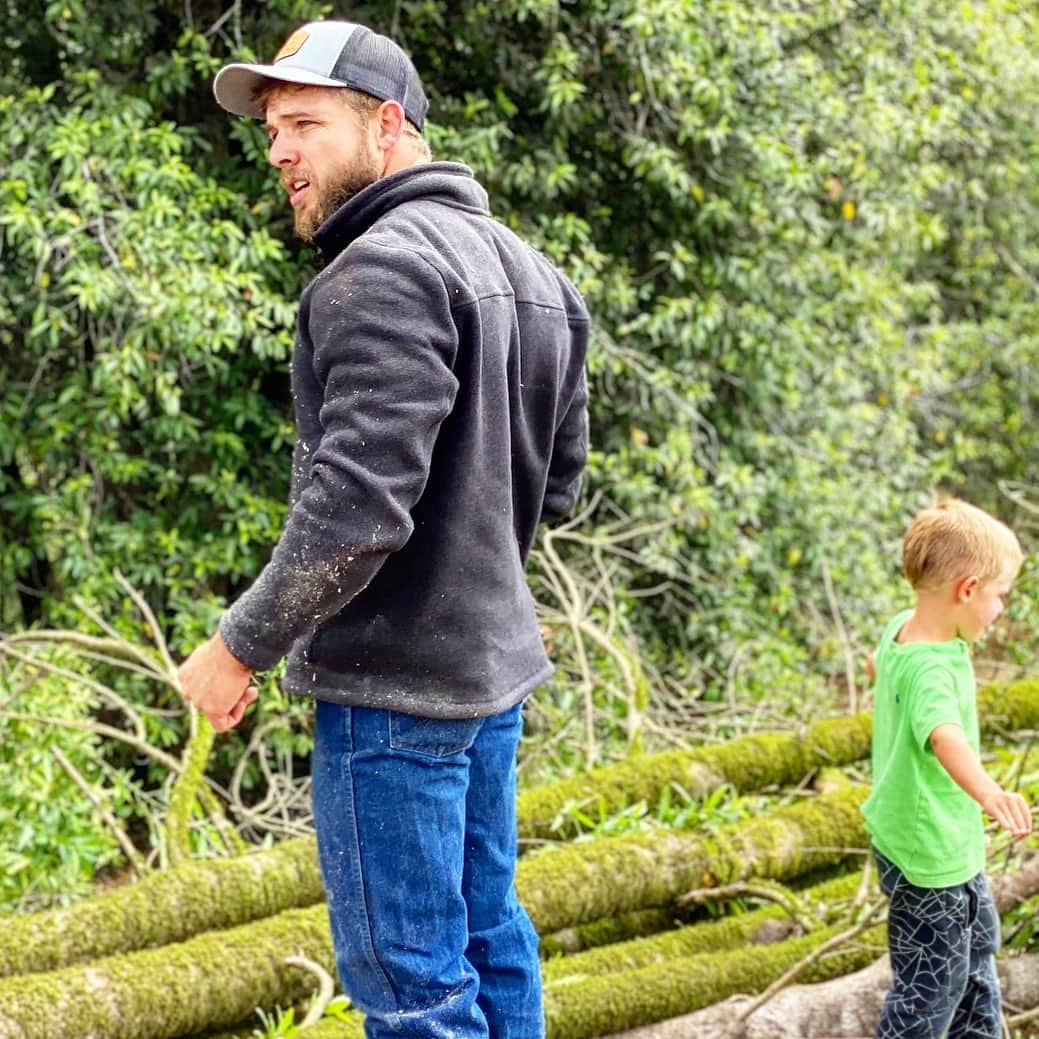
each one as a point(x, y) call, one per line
point(805, 233)
point(54, 842)
point(676, 809)
point(282, 1024)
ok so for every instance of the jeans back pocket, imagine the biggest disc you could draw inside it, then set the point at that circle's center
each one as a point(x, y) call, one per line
point(434, 737)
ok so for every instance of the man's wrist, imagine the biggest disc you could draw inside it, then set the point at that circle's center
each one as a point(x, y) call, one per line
point(225, 650)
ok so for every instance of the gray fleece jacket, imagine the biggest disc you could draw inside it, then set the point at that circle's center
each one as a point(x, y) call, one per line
point(440, 395)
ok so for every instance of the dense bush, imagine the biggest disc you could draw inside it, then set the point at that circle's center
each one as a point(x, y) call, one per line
point(805, 231)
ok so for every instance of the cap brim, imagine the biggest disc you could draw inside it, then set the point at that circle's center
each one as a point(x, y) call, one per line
point(235, 85)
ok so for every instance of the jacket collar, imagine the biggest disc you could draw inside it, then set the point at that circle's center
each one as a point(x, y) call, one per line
point(450, 183)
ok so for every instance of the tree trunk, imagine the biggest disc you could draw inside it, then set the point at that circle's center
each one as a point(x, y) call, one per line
point(749, 763)
point(163, 908)
point(844, 1008)
point(214, 980)
point(174, 905)
point(577, 883)
point(849, 1005)
point(822, 904)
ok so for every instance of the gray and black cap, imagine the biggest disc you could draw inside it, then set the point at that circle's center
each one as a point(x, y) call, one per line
point(329, 54)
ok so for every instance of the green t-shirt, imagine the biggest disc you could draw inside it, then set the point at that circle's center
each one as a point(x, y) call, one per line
point(916, 814)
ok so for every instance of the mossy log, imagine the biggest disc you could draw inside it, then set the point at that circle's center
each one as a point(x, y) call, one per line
point(621, 928)
point(176, 904)
point(164, 907)
point(758, 927)
point(849, 1003)
point(846, 1007)
point(748, 763)
point(214, 980)
point(599, 1005)
point(331, 1029)
point(602, 1004)
point(221, 893)
point(578, 883)
point(587, 1006)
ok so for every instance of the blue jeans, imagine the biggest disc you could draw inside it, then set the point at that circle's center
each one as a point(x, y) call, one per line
point(942, 942)
point(416, 826)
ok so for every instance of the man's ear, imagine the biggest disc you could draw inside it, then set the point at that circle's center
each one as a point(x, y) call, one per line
point(389, 124)
point(966, 587)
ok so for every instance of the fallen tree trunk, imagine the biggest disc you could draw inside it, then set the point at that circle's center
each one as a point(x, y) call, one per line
point(847, 1005)
point(765, 926)
point(844, 1008)
point(172, 906)
point(163, 908)
point(578, 883)
point(746, 764)
point(214, 980)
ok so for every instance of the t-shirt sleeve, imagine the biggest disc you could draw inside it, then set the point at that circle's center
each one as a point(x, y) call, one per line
point(933, 701)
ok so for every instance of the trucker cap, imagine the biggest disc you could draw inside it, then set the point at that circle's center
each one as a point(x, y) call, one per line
point(329, 54)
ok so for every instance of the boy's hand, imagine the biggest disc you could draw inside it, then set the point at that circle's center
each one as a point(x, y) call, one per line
point(1010, 810)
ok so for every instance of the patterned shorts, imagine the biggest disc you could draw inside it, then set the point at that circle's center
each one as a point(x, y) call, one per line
point(942, 943)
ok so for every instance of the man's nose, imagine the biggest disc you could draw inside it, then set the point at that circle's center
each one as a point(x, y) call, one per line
point(281, 152)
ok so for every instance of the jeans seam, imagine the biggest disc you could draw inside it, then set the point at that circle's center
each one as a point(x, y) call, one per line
point(357, 868)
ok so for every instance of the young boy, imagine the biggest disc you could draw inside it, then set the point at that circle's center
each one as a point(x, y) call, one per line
point(928, 781)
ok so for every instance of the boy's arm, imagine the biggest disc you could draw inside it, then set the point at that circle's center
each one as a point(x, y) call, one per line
point(1010, 810)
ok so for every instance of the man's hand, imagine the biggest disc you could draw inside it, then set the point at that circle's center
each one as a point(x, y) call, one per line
point(217, 683)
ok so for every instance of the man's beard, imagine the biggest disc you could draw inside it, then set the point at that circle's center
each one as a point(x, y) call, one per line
point(337, 192)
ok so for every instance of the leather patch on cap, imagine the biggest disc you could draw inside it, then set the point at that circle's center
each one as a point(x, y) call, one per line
point(292, 44)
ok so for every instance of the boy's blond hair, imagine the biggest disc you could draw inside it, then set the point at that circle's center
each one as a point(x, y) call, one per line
point(955, 539)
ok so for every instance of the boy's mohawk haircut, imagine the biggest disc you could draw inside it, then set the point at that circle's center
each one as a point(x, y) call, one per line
point(955, 539)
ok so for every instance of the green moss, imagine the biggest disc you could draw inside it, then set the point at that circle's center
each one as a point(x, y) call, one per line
point(1009, 706)
point(605, 1004)
point(746, 764)
point(821, 903)
point(332, 1029)
point(214, 980)
point(578, 883)
point(614, 929)
point(186, 789)
point(164, 907)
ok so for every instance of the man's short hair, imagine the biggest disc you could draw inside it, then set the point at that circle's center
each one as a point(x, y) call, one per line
point(954, 539)
point(365, 105)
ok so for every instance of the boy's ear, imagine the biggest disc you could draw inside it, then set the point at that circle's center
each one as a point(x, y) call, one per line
point(965, 588)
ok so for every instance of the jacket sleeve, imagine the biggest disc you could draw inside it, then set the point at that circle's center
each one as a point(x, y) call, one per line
point(569, 455)
point(384, 346)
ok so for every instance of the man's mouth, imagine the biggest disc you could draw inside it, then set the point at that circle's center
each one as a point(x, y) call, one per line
point(297, 189)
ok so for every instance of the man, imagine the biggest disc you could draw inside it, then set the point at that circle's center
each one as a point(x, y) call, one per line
point(438, 376)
